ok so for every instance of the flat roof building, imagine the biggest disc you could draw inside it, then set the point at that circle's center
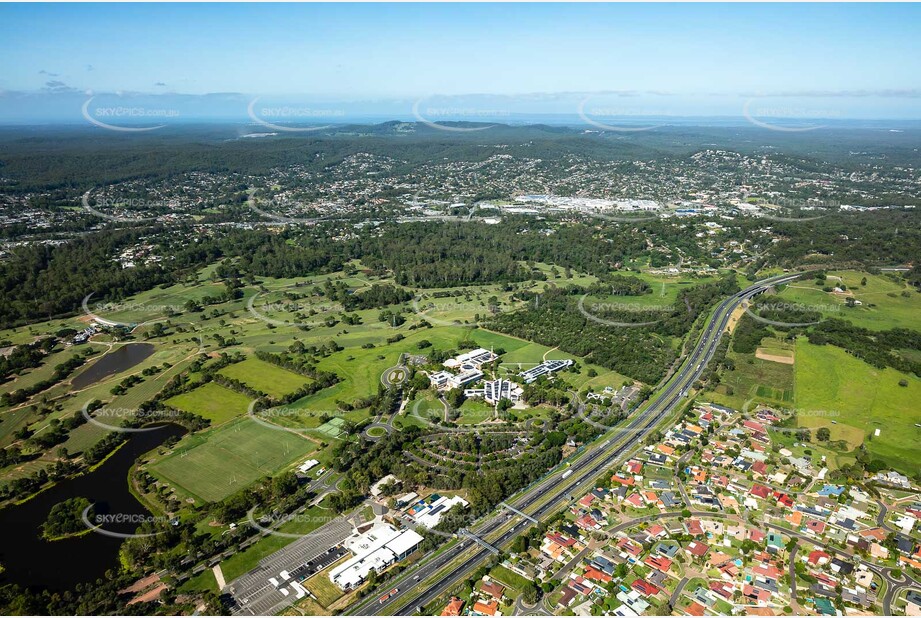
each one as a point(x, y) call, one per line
point(494, 390)
point(545, 368)
point(473, 359)
point(374, 550)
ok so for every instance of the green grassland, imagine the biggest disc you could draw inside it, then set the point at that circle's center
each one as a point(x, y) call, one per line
point(213, 464)
point(211, 401)
point(235, 451)
point(766, 381)
point(266, 377)
point(509, 578)
point(883, 305)
point(835, 386)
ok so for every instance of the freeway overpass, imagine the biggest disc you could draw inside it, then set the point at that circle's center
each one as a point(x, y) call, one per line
point(414, 588)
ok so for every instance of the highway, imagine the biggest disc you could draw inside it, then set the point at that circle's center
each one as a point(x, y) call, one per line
point(414, 588)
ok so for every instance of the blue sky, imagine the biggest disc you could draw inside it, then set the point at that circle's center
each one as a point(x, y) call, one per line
point(675, 56)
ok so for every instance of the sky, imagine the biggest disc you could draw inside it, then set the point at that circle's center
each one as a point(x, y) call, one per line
point(811, 59)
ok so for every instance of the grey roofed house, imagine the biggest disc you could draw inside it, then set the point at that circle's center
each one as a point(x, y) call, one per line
point(668, 549)
point(603, 564)
point(904, 544)
point(659, 484)
point(702, 595)
point(840, 566)
point(742, 464)
point(823, 590)
point(855, 597)
point(620, 491)
point(657, 578)
point(811, 510)
point(913, 596)
point(658, 459)
point(571, 530)
point(835, 534)
point(848, 524)
point(669, 499)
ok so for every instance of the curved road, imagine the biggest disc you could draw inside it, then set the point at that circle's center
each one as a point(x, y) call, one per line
point(414, 593)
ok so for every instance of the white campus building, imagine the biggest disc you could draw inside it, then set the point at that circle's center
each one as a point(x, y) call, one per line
point(494, 390)
point(471, 360)
point(429, 515)
point(373, 550)
point(444, 380)
point(545, 368)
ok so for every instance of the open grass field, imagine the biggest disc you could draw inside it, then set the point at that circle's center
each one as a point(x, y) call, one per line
point(764, 380)
point(266, 377)
point(883, 305)
point(215, 463)
point(212, 401)
point(509, 578)
point(832, 385)
point(320, 586)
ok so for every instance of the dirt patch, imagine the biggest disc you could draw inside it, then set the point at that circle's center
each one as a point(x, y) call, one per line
point(735, 317)
point(777, 358)
point(141, 584)
point(152, 595)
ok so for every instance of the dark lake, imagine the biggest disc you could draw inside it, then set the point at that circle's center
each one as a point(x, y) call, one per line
point(120, 359)
point(60, 565)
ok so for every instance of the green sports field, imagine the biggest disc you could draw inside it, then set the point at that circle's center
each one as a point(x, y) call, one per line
point(266, 377)
point(211, 401)
point(835, 386)
point(213, 464)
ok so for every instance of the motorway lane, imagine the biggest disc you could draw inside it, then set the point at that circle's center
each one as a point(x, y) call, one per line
point(641, 425)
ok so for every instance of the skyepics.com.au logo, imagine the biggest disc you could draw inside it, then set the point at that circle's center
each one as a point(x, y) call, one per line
point(287, 211)
point(128, 420)
point(784, 314)
point(611, 117)
point(609, 312)
point(103, 523)
point(781, 419)
point(802, 209)
point(104, 207)
point(305, 314)
point(447, 312)
point(437, 116)
point(125, 116)
point(785, 118)
point(270, 523)
point(109, 308)
point(291, 118)
point(292, 419)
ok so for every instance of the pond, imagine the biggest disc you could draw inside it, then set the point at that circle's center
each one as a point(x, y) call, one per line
point(59, 565)
point(120, 359)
